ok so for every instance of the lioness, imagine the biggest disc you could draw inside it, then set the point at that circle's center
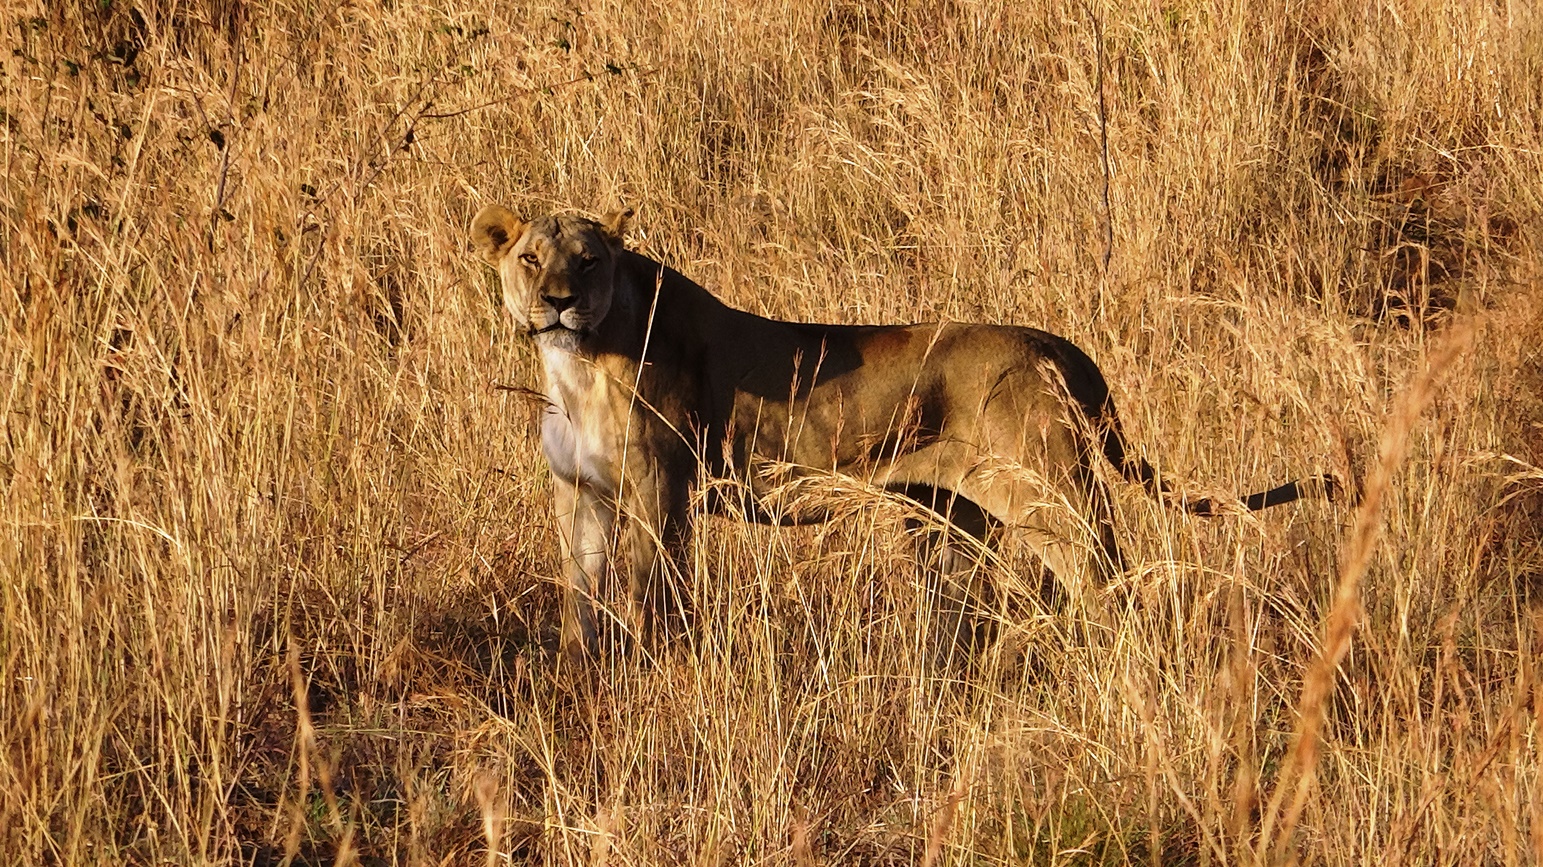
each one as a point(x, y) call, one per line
point(651, 379)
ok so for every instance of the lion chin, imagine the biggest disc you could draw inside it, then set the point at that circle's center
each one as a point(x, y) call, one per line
point(984, 428)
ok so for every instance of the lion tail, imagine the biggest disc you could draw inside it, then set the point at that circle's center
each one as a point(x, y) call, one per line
point(1135, 469)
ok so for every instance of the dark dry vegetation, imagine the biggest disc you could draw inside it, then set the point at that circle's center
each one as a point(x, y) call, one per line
point(278, 571)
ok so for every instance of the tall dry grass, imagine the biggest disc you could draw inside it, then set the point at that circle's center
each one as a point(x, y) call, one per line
point(278, 573)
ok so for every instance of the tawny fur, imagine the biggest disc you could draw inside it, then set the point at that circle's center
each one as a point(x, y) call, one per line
point(652, 380)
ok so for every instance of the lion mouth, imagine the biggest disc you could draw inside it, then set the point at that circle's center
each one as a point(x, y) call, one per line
point(558, 326)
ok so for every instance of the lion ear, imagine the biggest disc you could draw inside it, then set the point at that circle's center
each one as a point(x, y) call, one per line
point(493, 231)
point(615, 223)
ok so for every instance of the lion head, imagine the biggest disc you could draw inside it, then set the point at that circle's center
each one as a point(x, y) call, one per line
point(558, 272)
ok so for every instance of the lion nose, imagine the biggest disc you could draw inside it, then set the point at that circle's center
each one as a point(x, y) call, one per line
point(559, 303)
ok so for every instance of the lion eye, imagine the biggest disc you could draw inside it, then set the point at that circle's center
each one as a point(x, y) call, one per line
point(530, 260)
point(587, 262)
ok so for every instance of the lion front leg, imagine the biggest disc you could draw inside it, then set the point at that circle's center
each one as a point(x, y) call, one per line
point(651, 549)
point(585, 530)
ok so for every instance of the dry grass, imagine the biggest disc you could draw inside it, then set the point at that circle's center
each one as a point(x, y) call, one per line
point(278, 575)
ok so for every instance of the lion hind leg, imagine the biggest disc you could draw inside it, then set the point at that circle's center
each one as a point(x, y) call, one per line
point(1045, 495)
point(951, 556)
point(1034, 470)
point(1068, 527)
